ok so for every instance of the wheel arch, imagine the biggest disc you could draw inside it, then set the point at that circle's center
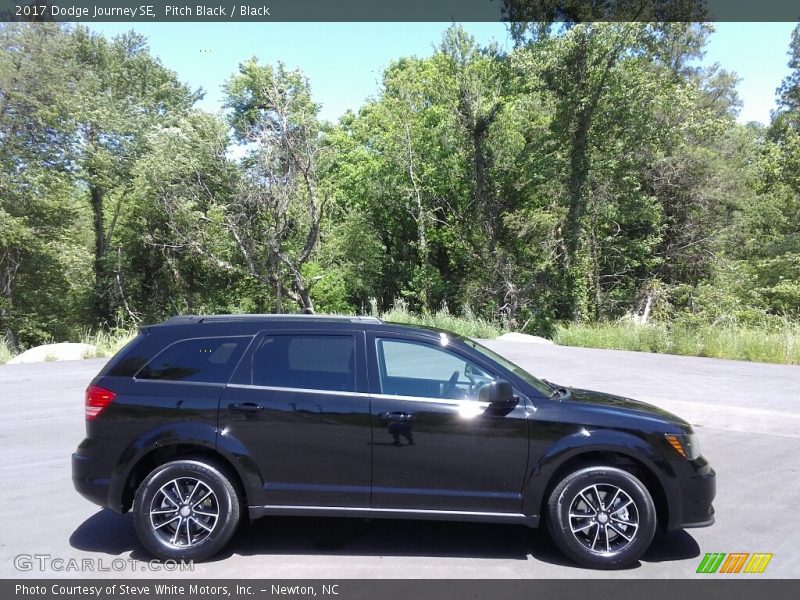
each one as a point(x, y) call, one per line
point(190, 440)
point(164, 454)
point(623, 451)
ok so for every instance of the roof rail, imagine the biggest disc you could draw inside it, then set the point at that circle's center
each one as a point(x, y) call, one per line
point(186, 319)
point(178, 319)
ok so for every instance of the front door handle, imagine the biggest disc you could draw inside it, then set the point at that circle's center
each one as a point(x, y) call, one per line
point(246, 407)
point(397, 416)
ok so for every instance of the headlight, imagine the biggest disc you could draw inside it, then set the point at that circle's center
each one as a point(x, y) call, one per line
point(685, 444)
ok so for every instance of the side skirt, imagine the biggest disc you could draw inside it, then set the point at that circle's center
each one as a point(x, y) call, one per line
point(392, 513)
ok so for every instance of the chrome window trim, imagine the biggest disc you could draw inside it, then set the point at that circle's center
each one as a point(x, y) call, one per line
point(448, 401)
point(181, 382)
point(275, 388)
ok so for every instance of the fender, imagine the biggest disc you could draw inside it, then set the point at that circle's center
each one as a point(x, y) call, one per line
point(185, 433)
point(539, 478)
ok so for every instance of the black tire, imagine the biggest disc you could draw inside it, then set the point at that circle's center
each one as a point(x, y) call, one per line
point(602, 538)
point(195, 535)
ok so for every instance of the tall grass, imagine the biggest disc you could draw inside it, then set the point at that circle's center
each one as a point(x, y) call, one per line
point(107, 343)
point(467, 325)
point(5, 352)
point(776, 345)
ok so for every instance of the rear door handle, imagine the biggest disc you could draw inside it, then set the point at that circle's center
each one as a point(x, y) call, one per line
point(246, 407)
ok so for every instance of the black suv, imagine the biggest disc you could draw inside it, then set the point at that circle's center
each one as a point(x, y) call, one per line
point(203, 417)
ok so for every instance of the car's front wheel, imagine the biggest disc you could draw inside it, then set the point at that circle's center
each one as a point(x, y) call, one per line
point(186, 510)
point(602, 517)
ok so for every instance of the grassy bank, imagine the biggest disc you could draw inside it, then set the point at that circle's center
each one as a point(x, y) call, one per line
point(776, 345)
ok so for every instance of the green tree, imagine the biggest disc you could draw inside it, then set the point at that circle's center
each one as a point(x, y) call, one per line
point(122, 93)
point(177, 256)
point(38, 209)
point(276, 216)
point(770, 255)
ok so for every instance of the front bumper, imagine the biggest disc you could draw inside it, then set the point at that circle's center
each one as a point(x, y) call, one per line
point(698, 492)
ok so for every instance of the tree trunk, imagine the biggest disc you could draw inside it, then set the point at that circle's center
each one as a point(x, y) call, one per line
point(278, 296)
point(102, 299)
point(421, 219)
point(301, 293)
point(490, 213)
point(481, 163)
point(584, 106)
point(481, 191)
point(647, 306)
point(573, 230)
point(596, 278)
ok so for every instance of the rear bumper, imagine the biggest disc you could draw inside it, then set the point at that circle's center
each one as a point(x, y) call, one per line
point(88, 482)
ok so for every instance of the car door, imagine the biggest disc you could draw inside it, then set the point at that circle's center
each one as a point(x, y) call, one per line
point(435, 446)
point(299, 406)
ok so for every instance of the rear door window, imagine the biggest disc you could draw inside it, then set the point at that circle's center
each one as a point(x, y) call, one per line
point(314, 362)
point(206, 360)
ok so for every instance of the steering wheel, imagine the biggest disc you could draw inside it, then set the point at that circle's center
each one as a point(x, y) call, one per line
point(450, 389)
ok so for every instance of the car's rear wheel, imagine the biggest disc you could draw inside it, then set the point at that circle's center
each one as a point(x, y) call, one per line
point(602, 517)
point(186, 510)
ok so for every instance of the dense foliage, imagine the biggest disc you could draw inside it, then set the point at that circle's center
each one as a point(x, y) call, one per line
point(593, 173)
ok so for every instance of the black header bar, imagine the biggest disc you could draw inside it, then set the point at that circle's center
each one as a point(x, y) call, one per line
point(87, 11)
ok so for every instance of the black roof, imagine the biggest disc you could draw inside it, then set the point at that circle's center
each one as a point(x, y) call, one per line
point(248, 324)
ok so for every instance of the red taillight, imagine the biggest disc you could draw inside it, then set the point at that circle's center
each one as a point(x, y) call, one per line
point(97, 399)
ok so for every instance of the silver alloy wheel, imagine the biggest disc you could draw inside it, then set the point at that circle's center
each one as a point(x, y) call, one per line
point(604, 518)
point(184, 512)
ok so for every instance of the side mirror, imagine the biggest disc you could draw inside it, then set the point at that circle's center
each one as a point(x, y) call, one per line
point(498, 393)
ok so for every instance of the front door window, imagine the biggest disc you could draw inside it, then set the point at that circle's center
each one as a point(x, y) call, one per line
point(410, 368)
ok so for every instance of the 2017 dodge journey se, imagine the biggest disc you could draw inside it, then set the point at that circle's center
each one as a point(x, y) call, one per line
point(203, 417)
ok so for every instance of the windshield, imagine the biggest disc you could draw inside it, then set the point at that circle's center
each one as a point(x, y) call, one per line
point(540, 385)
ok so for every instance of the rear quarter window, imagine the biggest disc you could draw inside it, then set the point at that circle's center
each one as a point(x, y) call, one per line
point(205, 360)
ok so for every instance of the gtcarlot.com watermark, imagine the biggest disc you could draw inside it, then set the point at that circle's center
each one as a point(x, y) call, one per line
point(50, 563)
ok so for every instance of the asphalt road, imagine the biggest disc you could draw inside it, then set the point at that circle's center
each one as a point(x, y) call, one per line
point(748, 416)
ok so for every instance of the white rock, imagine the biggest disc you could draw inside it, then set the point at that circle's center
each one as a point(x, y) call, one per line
point(47, 352)
point(524, 337)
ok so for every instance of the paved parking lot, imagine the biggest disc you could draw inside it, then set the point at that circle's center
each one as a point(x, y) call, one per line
point(747, 415)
